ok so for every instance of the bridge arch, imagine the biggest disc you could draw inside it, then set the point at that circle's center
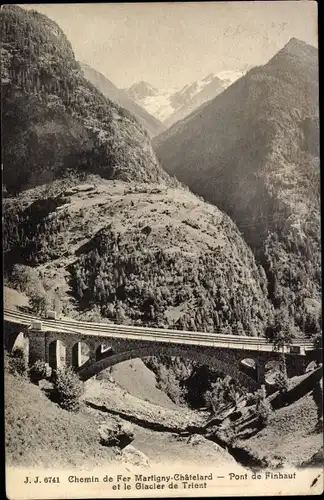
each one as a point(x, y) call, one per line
point(21, 342)
point(14, 336)
point(80, 354)
point(102, 351)
point(249, 367)
point(208, 359)
point(271, 369)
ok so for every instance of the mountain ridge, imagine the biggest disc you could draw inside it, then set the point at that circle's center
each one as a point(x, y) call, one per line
point(47, 105)
point(254, 152)
point(171, 105)
point(152, 124)
point(155, 245)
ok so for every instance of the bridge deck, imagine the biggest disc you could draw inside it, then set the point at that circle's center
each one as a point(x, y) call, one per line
point(150, 334)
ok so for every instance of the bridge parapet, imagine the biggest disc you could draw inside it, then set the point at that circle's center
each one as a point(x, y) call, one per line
point(218, 352)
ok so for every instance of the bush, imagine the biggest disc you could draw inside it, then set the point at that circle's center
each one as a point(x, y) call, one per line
point(281, 381)
point(250, 399)
point(25, 279)
point(18, 364)
point(263, 408)
point(67, 389)
point(318, 341)
point(263, 412)
point(39, 371)
point(224, 392)
point(39, 303)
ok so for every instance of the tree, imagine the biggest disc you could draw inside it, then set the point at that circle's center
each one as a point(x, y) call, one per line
point(280, 333)
point(263, 408)
point(40, 303)
point(67, 389)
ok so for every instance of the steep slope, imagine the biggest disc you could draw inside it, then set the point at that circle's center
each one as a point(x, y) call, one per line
point(48, 106)
point(143, 254)
point(108, 89)
point(137, 248)
point(254, 151)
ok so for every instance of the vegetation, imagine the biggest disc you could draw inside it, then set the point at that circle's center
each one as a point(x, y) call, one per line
point(264, 174)
point(281, 380)
point(263, 408)
point(225, 391)
point(129, 279)
point(132, 276)
point(41, 434)
point(67, 389)
point(152, 124)
point(162, 262)
point(48, 105)
point(39, 371)
point(17, 362)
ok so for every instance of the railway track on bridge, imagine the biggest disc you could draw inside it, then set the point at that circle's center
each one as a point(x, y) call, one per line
point(149, 334)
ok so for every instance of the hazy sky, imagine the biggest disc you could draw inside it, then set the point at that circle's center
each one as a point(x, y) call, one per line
point(172, 44)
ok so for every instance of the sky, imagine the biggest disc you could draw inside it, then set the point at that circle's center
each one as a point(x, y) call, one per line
point(170, 45)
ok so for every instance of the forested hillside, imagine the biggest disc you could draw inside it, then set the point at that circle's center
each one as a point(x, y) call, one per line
point(54, 121)
point(108, 89)
point(135, 254)
point(254, 152)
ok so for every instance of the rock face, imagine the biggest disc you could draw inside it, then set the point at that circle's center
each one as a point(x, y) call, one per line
point(55, 121)
point(120, 435)
point(132, 456)
point(254, 152)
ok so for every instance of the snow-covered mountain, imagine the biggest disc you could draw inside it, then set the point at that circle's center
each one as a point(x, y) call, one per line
point(156, 101)
point(173, 104)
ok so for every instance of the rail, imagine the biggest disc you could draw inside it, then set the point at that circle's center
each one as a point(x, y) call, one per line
point(149, 334)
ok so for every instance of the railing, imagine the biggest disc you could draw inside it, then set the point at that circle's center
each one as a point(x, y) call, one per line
point(150, 334)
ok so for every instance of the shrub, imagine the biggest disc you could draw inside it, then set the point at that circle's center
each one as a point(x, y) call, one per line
point(39, 371)
point(281, 381)
point(25, 279)
point(250, 399)
point(318, 341)
point(39, 303)
point(18, 364)
point(67, 389)
point(263, 412)
point(224, 392)
point(263, 408)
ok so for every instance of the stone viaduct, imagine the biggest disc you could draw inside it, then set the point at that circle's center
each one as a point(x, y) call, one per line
point(243, 358)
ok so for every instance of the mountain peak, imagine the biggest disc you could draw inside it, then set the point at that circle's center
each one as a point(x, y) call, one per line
point(298, 48)
point(141, 89)
point(209, 77)
point(295, 42)
point(299, 56)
